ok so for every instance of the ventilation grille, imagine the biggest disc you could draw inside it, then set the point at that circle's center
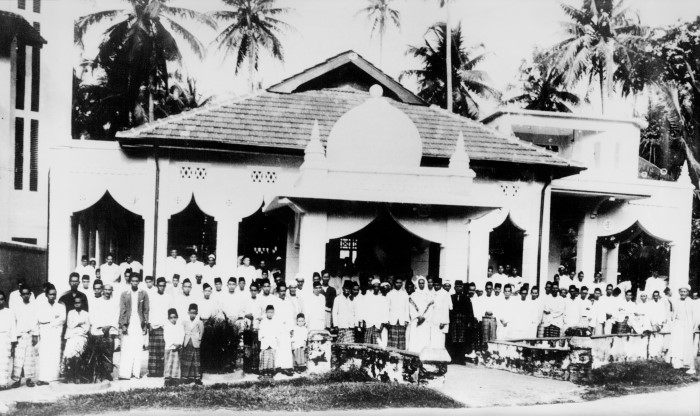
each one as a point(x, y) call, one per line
point(510, 190)
point(193, 172)
point(263, 176)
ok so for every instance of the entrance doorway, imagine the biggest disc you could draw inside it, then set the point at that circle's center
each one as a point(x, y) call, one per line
point(192, 231)
point(385, 248)
point(263, 237)
point(506, 246)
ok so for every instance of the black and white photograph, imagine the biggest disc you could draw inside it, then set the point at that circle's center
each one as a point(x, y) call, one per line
point(349, 207)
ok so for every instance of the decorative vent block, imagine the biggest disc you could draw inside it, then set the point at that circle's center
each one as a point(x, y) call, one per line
point(510, 190)
point(263, 176)
point(193, 172)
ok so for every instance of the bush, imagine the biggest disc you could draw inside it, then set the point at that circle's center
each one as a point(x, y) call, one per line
point(93, 365)
point(640, 373)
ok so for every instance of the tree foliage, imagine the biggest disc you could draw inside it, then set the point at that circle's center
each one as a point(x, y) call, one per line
point(381, 14)
point(470, 82)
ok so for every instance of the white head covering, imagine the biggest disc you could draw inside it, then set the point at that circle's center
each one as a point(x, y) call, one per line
point(425, 287)
point(375, 281)
point(684, 286)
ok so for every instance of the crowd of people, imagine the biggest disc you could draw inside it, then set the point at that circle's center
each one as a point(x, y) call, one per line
point(273, 316)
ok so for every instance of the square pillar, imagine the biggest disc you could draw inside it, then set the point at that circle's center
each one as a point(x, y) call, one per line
point(312, 244)
point(454, 256)
point(611, 258)
point(585, 247)
point(478, 255)
point(529, 268)
point(227, 246)
point(544, 245)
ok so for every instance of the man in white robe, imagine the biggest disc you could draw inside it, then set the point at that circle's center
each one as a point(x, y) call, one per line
point(8, 336)
point(85, 269)
point(15, 298)
point(421, 308)
point(110, 272)
point(374, 313)
point(174, 264)
point(682, 349)
point(27, 338)
point(315, 309)
point(210, 271)
point(192, 269)
point(51, 317)
point(573, 309)
point(553, 312)
point(284, 314)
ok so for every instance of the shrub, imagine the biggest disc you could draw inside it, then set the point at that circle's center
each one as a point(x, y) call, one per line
point(93, 365)
point(639, 373)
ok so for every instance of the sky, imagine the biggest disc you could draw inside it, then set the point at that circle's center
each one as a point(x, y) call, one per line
point(508, 30)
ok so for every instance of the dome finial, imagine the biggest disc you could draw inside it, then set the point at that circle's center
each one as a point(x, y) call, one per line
point(460, 159)
point(314, 151)
point(684, 177)
point(376, 91)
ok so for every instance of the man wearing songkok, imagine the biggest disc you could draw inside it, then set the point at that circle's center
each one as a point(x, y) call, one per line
point(174, 289)
point(374, 314)
point(330, 293)
point(85, 269)
point(193, 268)
point(537, 305)
point(104, 319)
point(421, 306)
point(110, 272)
point(134, 308)
point(241, 285)
point(299, 336)
point(247, 270)
point(27, 338)
point(150, 286)
point(315, 309)
point(521, 325)
point(8, 337)
point(485, 313)
point(294, 299)
point(218, 290)
point(269, 334)
point(173, 336)
point(77, 329)
point(439, 319)
point(208, 307)
point(505, 313)
point(572, 309)
point(52, 316)
point(344, 315)
point(654, 283)
point(160, 304)
point(398, 315)
point(68, 298)
point(174, 265)
point(15, 298)
point(623, 313)
point(190, 358)
point(183, 302)
point(284, 315)
point(682, 349)
point(553, 313)
point(210, 270)
point(85, 288)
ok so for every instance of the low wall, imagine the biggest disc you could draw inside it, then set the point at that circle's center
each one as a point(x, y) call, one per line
point(392, 365)
point(18, 260)
point(572, 358)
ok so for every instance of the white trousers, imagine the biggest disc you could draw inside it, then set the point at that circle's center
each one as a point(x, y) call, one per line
point(49, 353)
point(132, 350)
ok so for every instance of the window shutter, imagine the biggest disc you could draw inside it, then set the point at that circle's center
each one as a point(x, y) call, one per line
point(19, 152)
point(37, 6)
point(21, 74)
point(36, 77)
point(22, 4)
point(34, 155)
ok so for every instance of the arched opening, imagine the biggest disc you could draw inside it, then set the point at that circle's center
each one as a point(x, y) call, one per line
point(506, 246)
point(263, 237)
point(632, 254)
point(383, 247)
point(192, 230)
point(107, 228)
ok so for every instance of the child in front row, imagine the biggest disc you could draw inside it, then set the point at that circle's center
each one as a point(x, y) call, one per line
point(299, 335)
point(268, 334)
point(173, 335)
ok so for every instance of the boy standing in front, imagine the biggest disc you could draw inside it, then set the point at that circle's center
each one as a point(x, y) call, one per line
point(299, 335)
point(268, 335)
point(190, 361)
point(173, 335)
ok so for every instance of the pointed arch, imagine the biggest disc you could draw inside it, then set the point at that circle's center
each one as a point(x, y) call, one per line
point(192, 230)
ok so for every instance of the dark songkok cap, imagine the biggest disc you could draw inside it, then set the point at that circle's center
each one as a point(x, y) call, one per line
point(160, 280)
point(459, 283)
point(217, 280)
point(193, 307)
point(186, 281)
point(241, 279)
point(232, 279)
point(148, 278)
point(437, 280)
point(206, 286)
point(269, 308)
point(176, 275)
point(318, 284)
point(172, 311)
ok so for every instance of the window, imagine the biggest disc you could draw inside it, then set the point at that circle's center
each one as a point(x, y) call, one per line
point(25, 240)
point(21, 75)
point(37, 6)
point(36, 77)
point(348, 248)
point(34, 155)
point(19, 152)
point(22, 4)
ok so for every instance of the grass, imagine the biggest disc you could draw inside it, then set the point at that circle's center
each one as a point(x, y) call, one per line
point(618, 379)
point(335, 390)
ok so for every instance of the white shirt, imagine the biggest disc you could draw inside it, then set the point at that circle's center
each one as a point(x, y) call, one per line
point(158, 306)
point(573, 310)
point(183, 302)
point(375, 310)
point(77, 324)
point(109, 274)
point(51, 315)
point(173, 266)
point(86, 270)
point(209, 273)
point(344, 312)
point(207, 308)
point(173, 335)
point(135, 267)
point(269, 333)
point(249, 272)
point(105, 313)
point(26, 318)
point(398, 307)
point(190, 270)
point(315, 311)
point(16, 299)
point(8, 324)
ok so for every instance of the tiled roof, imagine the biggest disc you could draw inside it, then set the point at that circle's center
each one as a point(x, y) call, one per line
point(284, 121)
point(13, 25)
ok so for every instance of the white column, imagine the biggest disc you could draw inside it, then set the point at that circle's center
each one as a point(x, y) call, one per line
point(544, 244)
point(98, 247)
point(611, 264)
point(7, 105)
point(456, 250)
point(292, 253)
point(148, 239)
point(679, 264)
point(227, 245)
point(585, 248)
point(312, 244)
point(80, 246)
point(478, 255)
point(529, 268)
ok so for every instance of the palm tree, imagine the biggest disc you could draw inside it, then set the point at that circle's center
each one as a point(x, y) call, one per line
point(601, 35)
point(253, 26)
point(471, 82)
point(380, 14)
point(446, 5)
point(544, 87)
point(137, 47)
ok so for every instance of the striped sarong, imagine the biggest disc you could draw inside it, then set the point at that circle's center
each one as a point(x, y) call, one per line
point(540, 330)
point(458, 328)
point(346, 335)
point(552, 331)
point(5, 360)
point(488, 329)
point(190, 362)
point(172, 364)
point(371, 334)
point(25, 358)
point(156, 352)
point(251, 358)
point(299, 356)
point(267, 360)
point(397, 337)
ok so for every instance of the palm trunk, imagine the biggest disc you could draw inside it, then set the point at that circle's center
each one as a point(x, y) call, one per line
point(448, 28)
point(381, 48)
point(151, 117)
point(251, 70)
point(602, 88)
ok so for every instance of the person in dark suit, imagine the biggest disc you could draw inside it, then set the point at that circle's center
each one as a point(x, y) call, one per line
point(461, 323)
point(133, 322)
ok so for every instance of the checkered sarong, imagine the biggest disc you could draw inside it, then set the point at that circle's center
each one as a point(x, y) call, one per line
point(190, 362)
point(346, 335)
point(299, 356)
point(371, 334)
point(267, 359)
point(156, 352)
point(397, 337)
point(552, 331)
point(5, 360)
point(488, 329)
point(25, 358)
point(621, 328)
point(172, 364)
point(540, 330)
point(458, 328)
point(251, 357)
